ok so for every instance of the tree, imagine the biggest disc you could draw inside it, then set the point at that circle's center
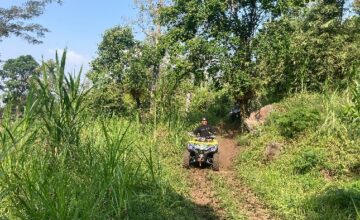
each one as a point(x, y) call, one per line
point(124, 61)
point(310, 49)
point(12, 20)
point(15, 76)
point(215, 38)
point(149, 23)
point(113, 55)
point(258, 47)
point(149, 18)
point(356, 5)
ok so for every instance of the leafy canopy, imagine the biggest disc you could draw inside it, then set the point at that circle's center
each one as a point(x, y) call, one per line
point(15, 77)
point(124, 62)
point(14, 20)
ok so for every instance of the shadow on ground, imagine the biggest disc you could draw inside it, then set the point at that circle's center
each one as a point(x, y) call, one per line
point(172, 206)
point(336, 203)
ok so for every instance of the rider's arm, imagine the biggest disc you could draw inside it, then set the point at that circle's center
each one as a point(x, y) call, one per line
point(197, 131)
point(213, 130)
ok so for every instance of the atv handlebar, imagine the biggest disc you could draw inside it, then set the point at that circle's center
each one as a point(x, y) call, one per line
point(212, 136)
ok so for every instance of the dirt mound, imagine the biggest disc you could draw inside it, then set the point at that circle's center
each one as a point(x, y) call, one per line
point(259, 117)
point(228, 150)
point(272, 151)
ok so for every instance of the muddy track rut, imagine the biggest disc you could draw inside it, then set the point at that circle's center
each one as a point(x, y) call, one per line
point(203, 193)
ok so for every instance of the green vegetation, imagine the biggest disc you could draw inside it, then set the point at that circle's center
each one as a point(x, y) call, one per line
point(113, 149)
point(296, 120)
point(59, 163)
point(316, 174)
point(226, 197)
point(15, 76)
point(14, 20)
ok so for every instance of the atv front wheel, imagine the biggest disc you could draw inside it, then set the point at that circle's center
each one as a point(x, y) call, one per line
point(216, 162)
point(186, 160)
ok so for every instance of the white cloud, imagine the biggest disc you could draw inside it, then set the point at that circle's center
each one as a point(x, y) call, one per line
point(74, 60)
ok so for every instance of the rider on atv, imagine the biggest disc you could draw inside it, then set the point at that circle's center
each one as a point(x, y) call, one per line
point(204, 130)
point(202, 149)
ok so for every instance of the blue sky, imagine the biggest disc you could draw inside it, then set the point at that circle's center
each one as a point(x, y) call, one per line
point(76, 24)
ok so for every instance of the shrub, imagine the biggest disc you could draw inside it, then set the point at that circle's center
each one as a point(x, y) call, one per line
point(307, 160)
point(214, 105)
point(295, 121)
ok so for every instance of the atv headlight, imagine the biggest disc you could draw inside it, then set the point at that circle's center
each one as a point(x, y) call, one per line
point(191, 147)
point(213, 148)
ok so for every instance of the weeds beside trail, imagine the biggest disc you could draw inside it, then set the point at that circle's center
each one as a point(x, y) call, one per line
point(56, 162)
point(316, 174)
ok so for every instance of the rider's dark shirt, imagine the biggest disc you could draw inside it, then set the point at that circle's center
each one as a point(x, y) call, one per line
point(204, 130)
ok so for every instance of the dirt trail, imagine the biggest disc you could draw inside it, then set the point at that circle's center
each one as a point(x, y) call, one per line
point(204, 195)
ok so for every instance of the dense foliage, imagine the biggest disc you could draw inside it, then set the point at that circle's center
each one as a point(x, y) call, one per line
point(259, 50)
point(313, 51)
point(111, 150)
point(126, 62)
point(16, 76)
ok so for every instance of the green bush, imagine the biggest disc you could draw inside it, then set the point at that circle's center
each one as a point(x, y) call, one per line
point(295, 121)
point(307, 160)
point(214, 105)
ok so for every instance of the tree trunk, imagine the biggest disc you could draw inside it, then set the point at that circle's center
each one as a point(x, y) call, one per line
point(188, 102)
point(156, 68)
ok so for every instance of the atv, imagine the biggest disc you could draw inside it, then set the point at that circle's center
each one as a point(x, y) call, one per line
point(202, 152)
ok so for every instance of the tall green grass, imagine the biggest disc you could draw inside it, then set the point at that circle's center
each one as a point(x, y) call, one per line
point(57, 162)
point(61, 100)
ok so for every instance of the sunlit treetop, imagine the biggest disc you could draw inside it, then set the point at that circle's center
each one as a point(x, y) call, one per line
point(15, 20)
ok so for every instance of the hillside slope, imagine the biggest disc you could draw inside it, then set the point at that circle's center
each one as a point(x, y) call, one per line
point(304, 162)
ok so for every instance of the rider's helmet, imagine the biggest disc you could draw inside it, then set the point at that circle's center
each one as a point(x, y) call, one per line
point(204, 121)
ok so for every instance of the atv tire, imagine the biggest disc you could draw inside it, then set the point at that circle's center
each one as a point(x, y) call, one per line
point(216, 162)
point(186, 160)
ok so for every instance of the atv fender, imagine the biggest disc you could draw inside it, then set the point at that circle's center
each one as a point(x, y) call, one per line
point(216, 162)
